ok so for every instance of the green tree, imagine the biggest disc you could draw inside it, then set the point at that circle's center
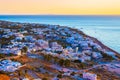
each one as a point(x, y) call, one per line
point(61, 62)
point(107, 57)
point(67, 63)
point(24, 50)
point(59, 75)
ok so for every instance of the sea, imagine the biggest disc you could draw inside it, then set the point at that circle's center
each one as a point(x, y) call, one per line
point(105, 28)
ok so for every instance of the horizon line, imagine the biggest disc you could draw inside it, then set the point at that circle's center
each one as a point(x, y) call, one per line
point(66, 14)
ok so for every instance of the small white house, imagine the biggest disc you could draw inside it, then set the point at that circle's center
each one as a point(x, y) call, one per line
point(43, 44)
point(89, 76)
point(96, 55)
point(56, 47)
point(9, 66)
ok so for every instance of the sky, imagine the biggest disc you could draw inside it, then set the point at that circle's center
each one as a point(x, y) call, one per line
point(70, 7)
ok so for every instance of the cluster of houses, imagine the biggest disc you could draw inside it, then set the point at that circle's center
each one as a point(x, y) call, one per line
point(52, 39)
point(49, 39)
point(9, 66)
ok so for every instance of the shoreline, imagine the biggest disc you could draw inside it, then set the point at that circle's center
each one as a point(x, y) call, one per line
point(60, 50)
point(74, 29)
point(97, 41)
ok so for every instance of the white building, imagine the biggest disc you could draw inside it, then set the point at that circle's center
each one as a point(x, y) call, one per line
point(9, 66)
point(96, 55)
point(43, 44)
point(56, 47)
point(89, 76)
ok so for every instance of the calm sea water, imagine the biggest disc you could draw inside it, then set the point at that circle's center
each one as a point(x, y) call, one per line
point(104, 28)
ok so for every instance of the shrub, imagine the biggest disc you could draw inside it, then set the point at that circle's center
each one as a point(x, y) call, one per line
point(55, 59)
point(2, 55)
point(82, 65)
point(81, 74)
point(11, 54)
point(67, 63)
point(47, 57)
point(77, 61)
point(24, 49)
point(59, 75)
point(61, 62)
point(107, 57)
point(73, 73)
point(44, 79)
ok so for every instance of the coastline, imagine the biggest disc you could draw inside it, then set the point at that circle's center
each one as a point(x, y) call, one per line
point(36, 50)
point(102, 25)
point(97, 41)
point(80, 32)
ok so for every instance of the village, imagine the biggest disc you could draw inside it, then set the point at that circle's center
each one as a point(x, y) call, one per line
point(21, 39)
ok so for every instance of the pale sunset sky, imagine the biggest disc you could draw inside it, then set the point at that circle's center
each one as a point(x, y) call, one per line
point(64, 7)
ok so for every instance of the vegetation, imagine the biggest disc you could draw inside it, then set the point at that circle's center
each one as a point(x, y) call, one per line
point(1, 32)
point(2, 55)
point(6, 41)
point(61, 62)
point(59, 75)
point(73, 73)
point(24, 49)
point(44, 79)
point(47, 57)
point(5, 55)
point(82, 65)
point(67, 63)
point(107, 57)
point(55, 59)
